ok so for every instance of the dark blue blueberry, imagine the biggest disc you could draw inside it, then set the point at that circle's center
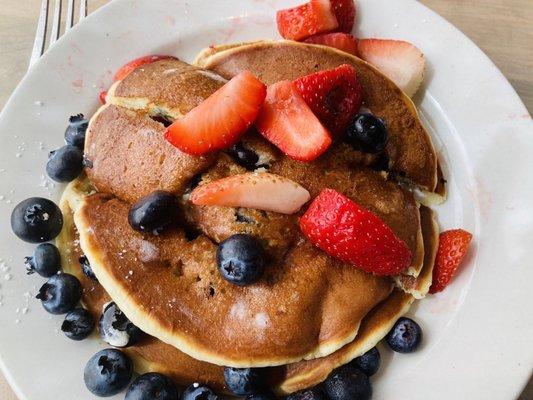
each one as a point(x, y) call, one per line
point(36, 220)
point(240, 259)
point(65, 163)
point(154, 213)
point(46, 260)
point(60, 294)
point(116, 329)
point(348, 383)
point(367, 133)
point(107, 373)
point(244, 157)
point(313, 393)
point(78, 324)
point(152, 386)
point(262, 395)
point(244, 381)
point(368, 362)
point(199, 392)
point(75, 132)
point(86, 268)
point(405, 336)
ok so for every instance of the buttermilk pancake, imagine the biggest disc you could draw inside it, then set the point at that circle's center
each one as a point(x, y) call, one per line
point(152, 354)
point(410, 150)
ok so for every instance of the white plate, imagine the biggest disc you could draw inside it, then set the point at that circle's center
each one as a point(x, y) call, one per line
point(478, 333)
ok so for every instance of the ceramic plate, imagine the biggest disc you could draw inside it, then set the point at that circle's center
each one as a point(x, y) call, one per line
point(478, 333)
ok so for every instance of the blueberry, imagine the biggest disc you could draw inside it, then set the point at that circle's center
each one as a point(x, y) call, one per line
point(367, 133)
point(308, 394)
point(75, 132)
point(244, 157)
point(198, 392)
point(116, 329)
point(244, 381)
point(262, 395)
point(36, 220)
point(348, 383)
point(368, 362)
point(405, 336)
point(46, 260)
point(154, 213)
point(152, 386)
point(60, 294)
point(108, 372)
point(78, 324)
point(240, 259)
point(86, 268)
point(65, 163)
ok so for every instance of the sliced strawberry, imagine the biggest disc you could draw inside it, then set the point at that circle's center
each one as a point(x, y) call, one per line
point(354, 235)
point(261, 191)
point(303, 21)
point(102, 96)
point(287, 121)
point(334, 95)
point(221, 119)
point(400, 61)
point(344, 11)
point(138, 62)
point(341, 41)
point(453, 245)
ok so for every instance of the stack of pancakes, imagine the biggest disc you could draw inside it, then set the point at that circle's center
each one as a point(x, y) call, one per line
point(310, 313)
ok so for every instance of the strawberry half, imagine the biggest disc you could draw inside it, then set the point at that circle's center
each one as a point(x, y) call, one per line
point(334, 95)
point(400, 61)
point(341, 41)
point(287, 121)
point(303, 21)
point(354, 235)
point(261, 191)
point(453, 245)
point(220, 120)
point(138, 62)
point(344, 11)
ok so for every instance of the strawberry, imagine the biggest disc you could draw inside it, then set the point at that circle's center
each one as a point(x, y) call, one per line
point(287, 121)
point(334, 95)
point(453, 245)
point(261, 191)
point(341, 41)
point(138, 62)
point(102, 96)
point(303, 21)
point(400, 61)
point(221, 119)
point(354, 235)
point(344, 11)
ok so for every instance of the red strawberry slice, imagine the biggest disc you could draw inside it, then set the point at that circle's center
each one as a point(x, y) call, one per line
point(344, 11)
point(303, 21)
point(354, 235)
point(341, 41)
point(221, 119)
point(287, 121)
point(400, 61)
point(334, 95)
point(453, 245)
point(102, 96)
point(261, 191)
point(134, 64)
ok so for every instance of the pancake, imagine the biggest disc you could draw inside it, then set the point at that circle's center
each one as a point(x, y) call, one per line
point(418, 286)
point(153, 355)
point(410, 149)
point(307, 307)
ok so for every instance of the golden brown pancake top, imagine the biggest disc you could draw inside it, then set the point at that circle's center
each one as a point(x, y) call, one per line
point(410, 149)
point(309, 306)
